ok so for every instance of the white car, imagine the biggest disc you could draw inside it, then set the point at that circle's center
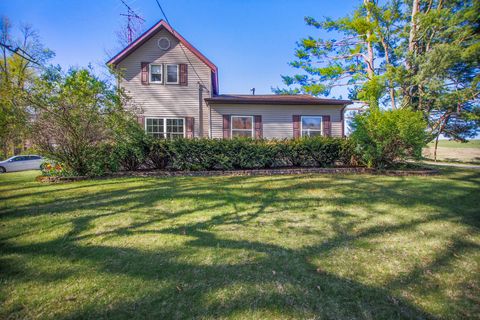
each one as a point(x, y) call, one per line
point(21, 163)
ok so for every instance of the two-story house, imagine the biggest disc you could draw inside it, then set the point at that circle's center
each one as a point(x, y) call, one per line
point(177, 88)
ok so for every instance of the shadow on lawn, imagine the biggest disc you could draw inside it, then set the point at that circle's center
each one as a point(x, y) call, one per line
point(281, 281)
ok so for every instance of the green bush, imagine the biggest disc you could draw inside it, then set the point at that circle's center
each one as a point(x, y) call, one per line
point(242, 153)
point(158, 155)
point(383, 138)
point(135, 151)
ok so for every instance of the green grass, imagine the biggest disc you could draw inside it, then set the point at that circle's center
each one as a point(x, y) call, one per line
point(303, 247)
point(455, 144)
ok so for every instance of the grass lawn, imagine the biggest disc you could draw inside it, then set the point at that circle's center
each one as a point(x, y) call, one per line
point(304, 247)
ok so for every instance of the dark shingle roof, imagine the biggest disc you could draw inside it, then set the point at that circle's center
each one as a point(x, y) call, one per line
point(301, 99)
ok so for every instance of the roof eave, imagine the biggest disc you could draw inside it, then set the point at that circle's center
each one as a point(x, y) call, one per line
point(315, 103)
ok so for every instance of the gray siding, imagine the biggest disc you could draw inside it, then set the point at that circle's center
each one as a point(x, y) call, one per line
point(276, 119)
point(162, 100)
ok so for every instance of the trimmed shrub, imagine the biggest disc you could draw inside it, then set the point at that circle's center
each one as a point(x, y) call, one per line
point(138, 151)
point(384, 138)
point(243, 153)
point(158, 155)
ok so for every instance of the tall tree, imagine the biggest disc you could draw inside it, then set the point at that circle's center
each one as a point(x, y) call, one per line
point(21, 59)
point(442, 66)
point(418, 54)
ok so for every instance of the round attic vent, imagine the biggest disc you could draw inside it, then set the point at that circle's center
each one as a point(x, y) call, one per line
point(164, 43)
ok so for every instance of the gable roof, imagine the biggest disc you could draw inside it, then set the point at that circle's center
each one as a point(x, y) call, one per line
point(144, 37)
point(300, 99)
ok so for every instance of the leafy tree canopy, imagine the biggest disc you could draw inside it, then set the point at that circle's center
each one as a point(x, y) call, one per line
point(417, 54)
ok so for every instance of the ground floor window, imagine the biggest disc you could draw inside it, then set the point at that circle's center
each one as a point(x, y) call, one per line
point(169, 128)
point(311, 126)
point(242, 126)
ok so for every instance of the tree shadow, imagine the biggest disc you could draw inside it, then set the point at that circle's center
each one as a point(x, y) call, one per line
point(251, 277)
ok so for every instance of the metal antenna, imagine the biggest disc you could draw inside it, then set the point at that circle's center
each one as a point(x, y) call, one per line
point(130, 25)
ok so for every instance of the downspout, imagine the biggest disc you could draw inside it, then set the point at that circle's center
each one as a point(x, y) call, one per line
point(209, 121)
point(342, 118)
point(200, 110)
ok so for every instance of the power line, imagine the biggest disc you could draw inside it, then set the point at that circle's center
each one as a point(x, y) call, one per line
point(25, 55)
point(163, 12)
point(186, 56)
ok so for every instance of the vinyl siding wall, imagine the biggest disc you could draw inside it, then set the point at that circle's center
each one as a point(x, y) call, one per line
point(162, 100)
point(276, 119)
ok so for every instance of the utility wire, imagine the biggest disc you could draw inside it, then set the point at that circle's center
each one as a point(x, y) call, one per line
point(25, 55)
point(181, 46)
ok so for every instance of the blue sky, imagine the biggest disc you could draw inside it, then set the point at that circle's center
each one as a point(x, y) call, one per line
point(251, 41)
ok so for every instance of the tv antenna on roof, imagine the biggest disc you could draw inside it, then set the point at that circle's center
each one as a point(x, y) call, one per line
point(132, 17)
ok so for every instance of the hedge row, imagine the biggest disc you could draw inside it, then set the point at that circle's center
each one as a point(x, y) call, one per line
point(213, 154)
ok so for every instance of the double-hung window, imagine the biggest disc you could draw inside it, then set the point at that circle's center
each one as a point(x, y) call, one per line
point(242, 126)
point(156, 73)
point(172, 74)
point(311, 126)
point(169, 128)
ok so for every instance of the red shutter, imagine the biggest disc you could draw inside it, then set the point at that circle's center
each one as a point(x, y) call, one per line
point(296, 126)
point(183, 75)
point(190, 125)
point(258, 127)
point(226, 126)
point(144, 75)
point(327, 127)
point(141, 121)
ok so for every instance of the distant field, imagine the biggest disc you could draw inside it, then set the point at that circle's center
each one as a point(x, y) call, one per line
point(455, 151)
point(455, 144)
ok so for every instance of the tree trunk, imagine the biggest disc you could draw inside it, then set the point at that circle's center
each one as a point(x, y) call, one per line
point(442, 126)
point(370, 57)
point(413, 29)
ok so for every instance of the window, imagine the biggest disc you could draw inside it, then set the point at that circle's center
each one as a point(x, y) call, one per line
point(311, 126)
point(165, 128)
point(155, 127)
point(242, 126)
point(172, 73)
point(155, 73)
point(175, 128)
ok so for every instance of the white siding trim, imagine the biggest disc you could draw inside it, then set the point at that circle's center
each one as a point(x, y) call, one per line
point(276, 119)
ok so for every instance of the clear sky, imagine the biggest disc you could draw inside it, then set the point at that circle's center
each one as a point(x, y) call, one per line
point(251, 41)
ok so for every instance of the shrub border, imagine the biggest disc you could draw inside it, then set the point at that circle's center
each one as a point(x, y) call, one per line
point(251, 172)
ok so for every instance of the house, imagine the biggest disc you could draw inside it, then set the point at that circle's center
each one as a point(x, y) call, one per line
point(178, 90)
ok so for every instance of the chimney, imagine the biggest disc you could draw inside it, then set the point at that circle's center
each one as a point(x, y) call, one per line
point(253, 91)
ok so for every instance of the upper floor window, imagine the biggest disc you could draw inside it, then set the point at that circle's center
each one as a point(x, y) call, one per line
point(172, 74)
point(242, 126)
point(156, 73)
point(311, 126)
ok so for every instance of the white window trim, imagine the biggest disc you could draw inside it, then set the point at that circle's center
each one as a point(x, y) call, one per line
point(165, 125)
point(242, 116)
point(301, 125)
point(150, 73)
point(166, 73)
